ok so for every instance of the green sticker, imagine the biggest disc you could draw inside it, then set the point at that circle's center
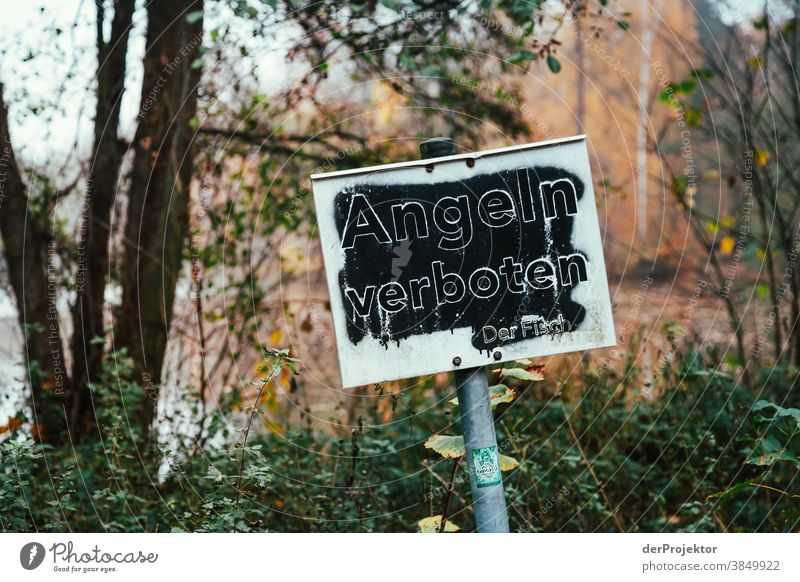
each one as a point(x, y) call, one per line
point(487, 466)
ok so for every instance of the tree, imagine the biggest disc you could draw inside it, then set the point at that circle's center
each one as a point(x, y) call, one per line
point(741, 101)
point(417, 49)
point(161, 172)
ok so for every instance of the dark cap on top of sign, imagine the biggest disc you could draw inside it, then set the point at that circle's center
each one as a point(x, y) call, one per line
point(437, 148)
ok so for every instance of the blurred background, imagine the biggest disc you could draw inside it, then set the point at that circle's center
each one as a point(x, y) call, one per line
point(167, 357)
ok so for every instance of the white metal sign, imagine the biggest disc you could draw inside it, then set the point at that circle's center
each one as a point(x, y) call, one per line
point(462, 261)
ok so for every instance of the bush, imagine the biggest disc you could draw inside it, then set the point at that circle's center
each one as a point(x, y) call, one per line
point(704, 455)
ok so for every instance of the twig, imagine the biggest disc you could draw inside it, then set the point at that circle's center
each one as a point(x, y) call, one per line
point(203, 379)
point(450, 486)
point(244, 440)
point(443, 482)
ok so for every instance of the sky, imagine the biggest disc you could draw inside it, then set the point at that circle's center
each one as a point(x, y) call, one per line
point(30, 25)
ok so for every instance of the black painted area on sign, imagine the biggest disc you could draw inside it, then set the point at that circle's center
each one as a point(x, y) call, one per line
point(372, 261)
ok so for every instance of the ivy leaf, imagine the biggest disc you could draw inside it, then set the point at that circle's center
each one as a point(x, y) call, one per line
point(432, 524)
point(553, 63)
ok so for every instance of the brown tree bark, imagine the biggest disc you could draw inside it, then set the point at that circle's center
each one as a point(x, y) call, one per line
point(24, 224)
point(92, 259)
point(158, 203)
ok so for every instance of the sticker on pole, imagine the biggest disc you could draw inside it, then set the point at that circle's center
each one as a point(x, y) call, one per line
point(462, 261)
point(487, 466)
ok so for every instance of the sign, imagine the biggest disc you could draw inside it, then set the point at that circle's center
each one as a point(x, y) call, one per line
point(462, 261)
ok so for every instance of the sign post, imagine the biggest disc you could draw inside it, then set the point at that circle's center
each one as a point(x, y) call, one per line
point(454, 262)
point(477, 422)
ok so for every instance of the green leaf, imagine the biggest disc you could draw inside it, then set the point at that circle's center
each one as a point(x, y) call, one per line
point(623, 25)
point(521, 56)
point(772, 458)
point(693, 117)
point(194, 16)
point(702, 74)
point(553, 63)
point(687, 86)
point(433, 523)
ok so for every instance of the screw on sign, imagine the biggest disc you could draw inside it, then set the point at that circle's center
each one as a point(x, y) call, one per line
point(502, 259)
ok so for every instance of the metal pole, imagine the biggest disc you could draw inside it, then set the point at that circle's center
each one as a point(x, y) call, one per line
point(477, 422)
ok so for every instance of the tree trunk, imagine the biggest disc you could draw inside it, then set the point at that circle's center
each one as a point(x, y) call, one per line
point(93, 245)
point(157, 222)
point(28, 256)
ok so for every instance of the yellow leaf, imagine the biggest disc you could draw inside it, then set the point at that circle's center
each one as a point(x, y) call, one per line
point(508, 463)
point(726, 245)
point(450, 447)
point(275, 337)
point(432, 524)
point(761, 157)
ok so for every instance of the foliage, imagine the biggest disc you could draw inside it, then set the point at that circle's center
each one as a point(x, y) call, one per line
point(705, 455)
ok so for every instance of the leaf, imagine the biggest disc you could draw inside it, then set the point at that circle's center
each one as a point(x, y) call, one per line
point(521, 56)
point(780, 412)
point(450, 447)
point(499, 394)
point(703, 74)
point(727, 244)
point(508, 463)
point(553, 63)
point(194, 16)
point(623, 25)
point(772, 458)
point(532, 374)
point(432, 524)
point(693, 117)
